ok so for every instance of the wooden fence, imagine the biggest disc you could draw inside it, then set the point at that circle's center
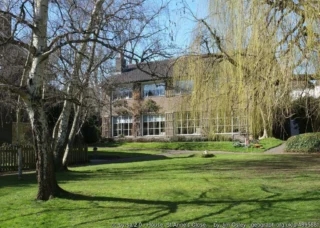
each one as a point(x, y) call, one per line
point(9, 157)
point(78, 155)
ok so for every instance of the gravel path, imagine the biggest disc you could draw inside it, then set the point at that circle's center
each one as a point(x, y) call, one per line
point(276, 150)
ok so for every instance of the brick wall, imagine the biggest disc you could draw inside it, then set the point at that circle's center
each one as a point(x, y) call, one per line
point(168, 104)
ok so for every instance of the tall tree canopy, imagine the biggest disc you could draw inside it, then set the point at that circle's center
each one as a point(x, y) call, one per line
point(245, 54)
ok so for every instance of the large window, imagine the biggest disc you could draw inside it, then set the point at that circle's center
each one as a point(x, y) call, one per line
point(156, 89)
point(187, 123)
point(122, 93)
point(153, 125)
point(122, 126)
point(225, 124)
point(183, 87)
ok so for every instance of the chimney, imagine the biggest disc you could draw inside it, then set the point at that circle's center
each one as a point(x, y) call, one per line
point(5, 25)
point(120, 63)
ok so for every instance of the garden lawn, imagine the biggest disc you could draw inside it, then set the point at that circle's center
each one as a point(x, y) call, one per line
point(128, 148)
point(118, 153)
point(239, 188)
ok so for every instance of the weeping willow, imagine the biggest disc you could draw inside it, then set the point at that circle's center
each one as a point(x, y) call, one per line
point(243, 59)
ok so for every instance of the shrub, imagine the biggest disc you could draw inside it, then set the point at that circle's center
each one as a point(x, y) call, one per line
point(150, 106)
point(306, 143)
point(91, 130)
point(237, 144)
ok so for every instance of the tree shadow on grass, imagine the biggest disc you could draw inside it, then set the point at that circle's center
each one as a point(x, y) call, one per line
point(270, 167)
point(115, 159)
point(28, 179)
point(275, 163)
point(105, 158)
point(163, 208)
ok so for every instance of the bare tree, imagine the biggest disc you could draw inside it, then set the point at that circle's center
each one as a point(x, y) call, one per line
point(78, 26)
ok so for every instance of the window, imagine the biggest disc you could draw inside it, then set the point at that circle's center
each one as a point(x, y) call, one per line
point(122, 126)
point(153, 125)
point(183, 87)
point(157, 89)
point(225, 124)
point(187, 124)
point(122, 93)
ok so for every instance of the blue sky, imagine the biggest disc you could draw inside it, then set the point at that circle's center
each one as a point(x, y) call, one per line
point(183, 23)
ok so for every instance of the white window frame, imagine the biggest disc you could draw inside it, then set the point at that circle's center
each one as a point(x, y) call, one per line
point(179, 123)
point(153, 118)
point(122, 121)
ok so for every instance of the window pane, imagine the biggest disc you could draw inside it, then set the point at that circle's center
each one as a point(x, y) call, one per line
point(191, 130)
point(145, 131)
point(153, 124)
point(184, 87)
point(122, 125)
point(122, 93)
point(157, 89)
point(184, 131)
point(187, 123)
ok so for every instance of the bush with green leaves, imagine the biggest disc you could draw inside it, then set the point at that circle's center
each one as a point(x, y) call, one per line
point(91, 130)
point(306, 143)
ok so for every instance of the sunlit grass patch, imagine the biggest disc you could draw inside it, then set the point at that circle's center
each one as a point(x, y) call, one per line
point(226, 188)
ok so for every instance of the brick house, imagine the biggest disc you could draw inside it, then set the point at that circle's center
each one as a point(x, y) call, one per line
point(152, 83)
point(12, 60)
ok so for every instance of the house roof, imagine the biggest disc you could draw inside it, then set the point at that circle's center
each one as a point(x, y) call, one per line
point(163, 69)
point(142, 72)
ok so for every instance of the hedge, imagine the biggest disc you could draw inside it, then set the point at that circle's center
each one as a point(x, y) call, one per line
point(306, 143)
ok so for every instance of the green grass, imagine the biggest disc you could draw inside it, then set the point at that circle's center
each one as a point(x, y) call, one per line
point(201, 146)
point(116, 153)
point(236, 188)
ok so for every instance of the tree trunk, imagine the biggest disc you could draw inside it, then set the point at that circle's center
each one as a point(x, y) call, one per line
point(136, 109)
point(71, 137)
point(47, 183)
point(60, 141)
point(265, 132)
point(18, 142)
